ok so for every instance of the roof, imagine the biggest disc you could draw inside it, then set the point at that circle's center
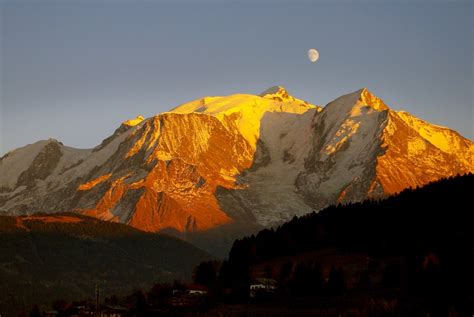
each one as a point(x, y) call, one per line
point(264, 281)
point(116, 308)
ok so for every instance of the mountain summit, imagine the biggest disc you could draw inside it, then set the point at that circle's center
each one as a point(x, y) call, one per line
point(277, 92)
point(236, 161)
point(133, 122)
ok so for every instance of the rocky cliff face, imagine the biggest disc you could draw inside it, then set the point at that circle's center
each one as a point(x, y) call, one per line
point(241, 159)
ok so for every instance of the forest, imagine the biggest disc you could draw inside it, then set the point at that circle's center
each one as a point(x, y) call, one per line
point(417, 246)
point(64, 256)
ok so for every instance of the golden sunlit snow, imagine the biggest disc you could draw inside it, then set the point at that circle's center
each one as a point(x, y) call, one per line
point(217, 160)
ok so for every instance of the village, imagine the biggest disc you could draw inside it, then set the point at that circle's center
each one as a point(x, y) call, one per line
point(180, 299)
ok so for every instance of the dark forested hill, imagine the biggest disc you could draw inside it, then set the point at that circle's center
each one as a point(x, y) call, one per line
point(46, 257)
point(424, 219)
point(419, 243)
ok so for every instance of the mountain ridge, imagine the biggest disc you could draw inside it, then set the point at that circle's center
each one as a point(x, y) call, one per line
point(238, 160)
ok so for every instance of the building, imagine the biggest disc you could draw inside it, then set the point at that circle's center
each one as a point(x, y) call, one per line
point(192, 296)
point(113, 311)
point(262, 287)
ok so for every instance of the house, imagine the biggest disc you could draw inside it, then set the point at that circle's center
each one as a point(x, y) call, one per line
point(81, 311)
point(197, 292)
point(113, 311)
point(192, 296)
point(262, 287)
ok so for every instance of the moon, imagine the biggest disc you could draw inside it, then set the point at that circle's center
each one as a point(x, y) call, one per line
point(313, 55)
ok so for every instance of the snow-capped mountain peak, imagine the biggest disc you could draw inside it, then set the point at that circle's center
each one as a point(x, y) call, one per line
point(276, 91)
point(133, 122)
point(235, 162)
point(371, 100)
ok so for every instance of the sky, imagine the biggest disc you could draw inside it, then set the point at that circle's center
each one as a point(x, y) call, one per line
point(74, 70)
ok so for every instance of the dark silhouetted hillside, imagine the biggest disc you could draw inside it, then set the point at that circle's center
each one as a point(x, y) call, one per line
point(64, 256)
point(418, 246)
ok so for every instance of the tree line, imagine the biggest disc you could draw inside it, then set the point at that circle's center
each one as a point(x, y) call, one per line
point(426, 232)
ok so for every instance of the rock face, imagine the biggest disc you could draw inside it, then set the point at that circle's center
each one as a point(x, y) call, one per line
point(246, 159)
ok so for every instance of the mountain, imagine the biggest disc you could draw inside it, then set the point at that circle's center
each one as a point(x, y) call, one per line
point(63, 256)
point(229, 164)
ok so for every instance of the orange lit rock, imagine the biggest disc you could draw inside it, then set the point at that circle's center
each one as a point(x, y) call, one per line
point(92, 183)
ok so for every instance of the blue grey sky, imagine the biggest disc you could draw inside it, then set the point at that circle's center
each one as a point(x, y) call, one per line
point(75, 70)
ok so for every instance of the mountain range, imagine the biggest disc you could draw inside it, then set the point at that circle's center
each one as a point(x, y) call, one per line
point(229, 165)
